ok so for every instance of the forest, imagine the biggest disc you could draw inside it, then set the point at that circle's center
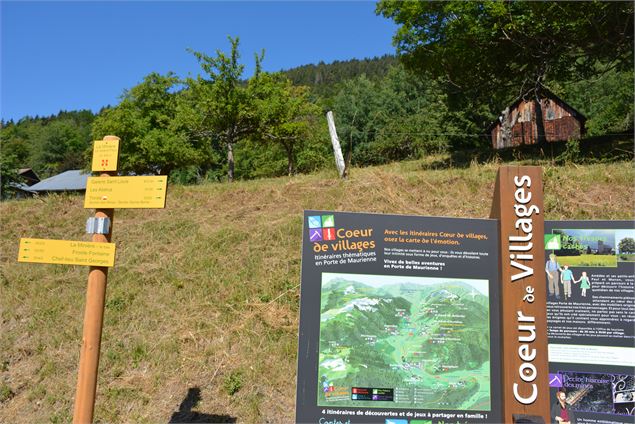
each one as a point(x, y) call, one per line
point(457, 66)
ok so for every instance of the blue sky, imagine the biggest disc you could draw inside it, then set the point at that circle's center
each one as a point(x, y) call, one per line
point(82, 55)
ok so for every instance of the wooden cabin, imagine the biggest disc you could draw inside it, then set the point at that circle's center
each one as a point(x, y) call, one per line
point(560, 120)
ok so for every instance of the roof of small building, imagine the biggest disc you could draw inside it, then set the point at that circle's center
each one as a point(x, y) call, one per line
point(73, 180)
point(545, 93)
point(20, 186)
point(29, 176)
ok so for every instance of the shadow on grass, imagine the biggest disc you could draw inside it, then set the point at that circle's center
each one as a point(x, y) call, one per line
point(186, 415)
point(607, 148)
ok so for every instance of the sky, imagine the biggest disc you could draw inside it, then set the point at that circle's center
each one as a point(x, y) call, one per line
point(82, 54)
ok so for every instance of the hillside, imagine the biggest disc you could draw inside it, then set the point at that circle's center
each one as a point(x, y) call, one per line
point(204, 296)
point(325, 78)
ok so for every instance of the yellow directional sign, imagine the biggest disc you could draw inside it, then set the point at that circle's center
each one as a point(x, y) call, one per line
point(105, 155)
point(125, 192)
point(66, 252)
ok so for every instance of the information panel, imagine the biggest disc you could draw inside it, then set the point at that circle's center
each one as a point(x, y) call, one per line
point(126, 192)
point(590, 283)
point(399, 320)
point(67, 252)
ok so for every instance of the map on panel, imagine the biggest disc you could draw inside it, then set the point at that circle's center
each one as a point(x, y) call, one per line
point(404, 342)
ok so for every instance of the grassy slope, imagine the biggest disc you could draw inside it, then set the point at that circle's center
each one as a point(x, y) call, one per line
point(205, 293)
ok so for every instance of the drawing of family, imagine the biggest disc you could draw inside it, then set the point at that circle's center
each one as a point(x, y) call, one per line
point(552, 267)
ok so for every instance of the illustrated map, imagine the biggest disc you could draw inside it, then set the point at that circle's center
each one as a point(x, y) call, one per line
point(404, 342)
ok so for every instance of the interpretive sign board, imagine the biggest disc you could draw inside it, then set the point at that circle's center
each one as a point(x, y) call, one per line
point(67, 252)
point(105, 155)
point(399, 320)
point(590, 283)
point(126, 192)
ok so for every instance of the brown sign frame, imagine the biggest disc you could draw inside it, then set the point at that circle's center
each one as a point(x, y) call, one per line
point(518, 205)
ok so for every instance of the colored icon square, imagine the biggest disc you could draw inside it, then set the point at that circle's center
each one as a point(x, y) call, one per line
point(328, 221)
point(328, 233)
point(555, 380)
point(315, 234)
point(353, 397)
point(420, 421)
point(315, 222)
point(552, 241)
point(396, 421)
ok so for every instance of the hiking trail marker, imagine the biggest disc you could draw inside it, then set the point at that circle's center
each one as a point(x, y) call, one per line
point(126, 192)
point(102, 193)
point(66, 252)
point(105, 155)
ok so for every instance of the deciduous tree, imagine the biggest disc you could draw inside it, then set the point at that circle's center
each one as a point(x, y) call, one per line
point(284, 114)
point(152, 139)
point(220, 107)
point(627, 245)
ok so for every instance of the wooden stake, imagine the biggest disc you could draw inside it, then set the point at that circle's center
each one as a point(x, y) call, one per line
point(337, 150)
point(93, 322)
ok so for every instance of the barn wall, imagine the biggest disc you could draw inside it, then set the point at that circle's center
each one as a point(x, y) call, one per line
point(558, 119)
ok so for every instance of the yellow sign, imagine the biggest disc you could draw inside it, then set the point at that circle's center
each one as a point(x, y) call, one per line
point(126, 192)
point(67, 252)
point(105, 155)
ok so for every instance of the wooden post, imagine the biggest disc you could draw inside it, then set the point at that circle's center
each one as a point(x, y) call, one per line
point(518, 205)
point(337, 149)
point(93, 322)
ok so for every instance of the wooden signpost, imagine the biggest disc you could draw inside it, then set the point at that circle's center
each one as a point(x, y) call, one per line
point(95, 303)
point(104, 193)
point(518, 205)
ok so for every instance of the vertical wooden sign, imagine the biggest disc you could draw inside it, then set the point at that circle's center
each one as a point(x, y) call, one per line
point(93, 316)
point(518, 205)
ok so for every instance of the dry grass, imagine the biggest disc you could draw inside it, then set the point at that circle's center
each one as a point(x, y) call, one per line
point(205, 293)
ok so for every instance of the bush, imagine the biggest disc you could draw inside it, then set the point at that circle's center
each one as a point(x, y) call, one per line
point(233, 382)
point(571, 152)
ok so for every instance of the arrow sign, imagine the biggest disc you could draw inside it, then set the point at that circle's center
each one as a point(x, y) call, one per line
point(66, 252)
point(126, 192)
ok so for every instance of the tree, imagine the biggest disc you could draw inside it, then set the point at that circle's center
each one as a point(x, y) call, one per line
point(356, 107)
point(487, 48)
point(8, 174)
point(64, 147)
point(153, 141)
point(627, 245)
point(398, 117)
point(283, 112)
point(50, 144)
point(221, 108)
point(607, 101)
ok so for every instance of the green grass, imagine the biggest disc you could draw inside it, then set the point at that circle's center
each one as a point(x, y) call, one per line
point(589, 260)
point(626, 258)
point(209, 286)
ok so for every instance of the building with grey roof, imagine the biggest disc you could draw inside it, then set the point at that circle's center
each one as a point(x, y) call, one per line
point(73, 180)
